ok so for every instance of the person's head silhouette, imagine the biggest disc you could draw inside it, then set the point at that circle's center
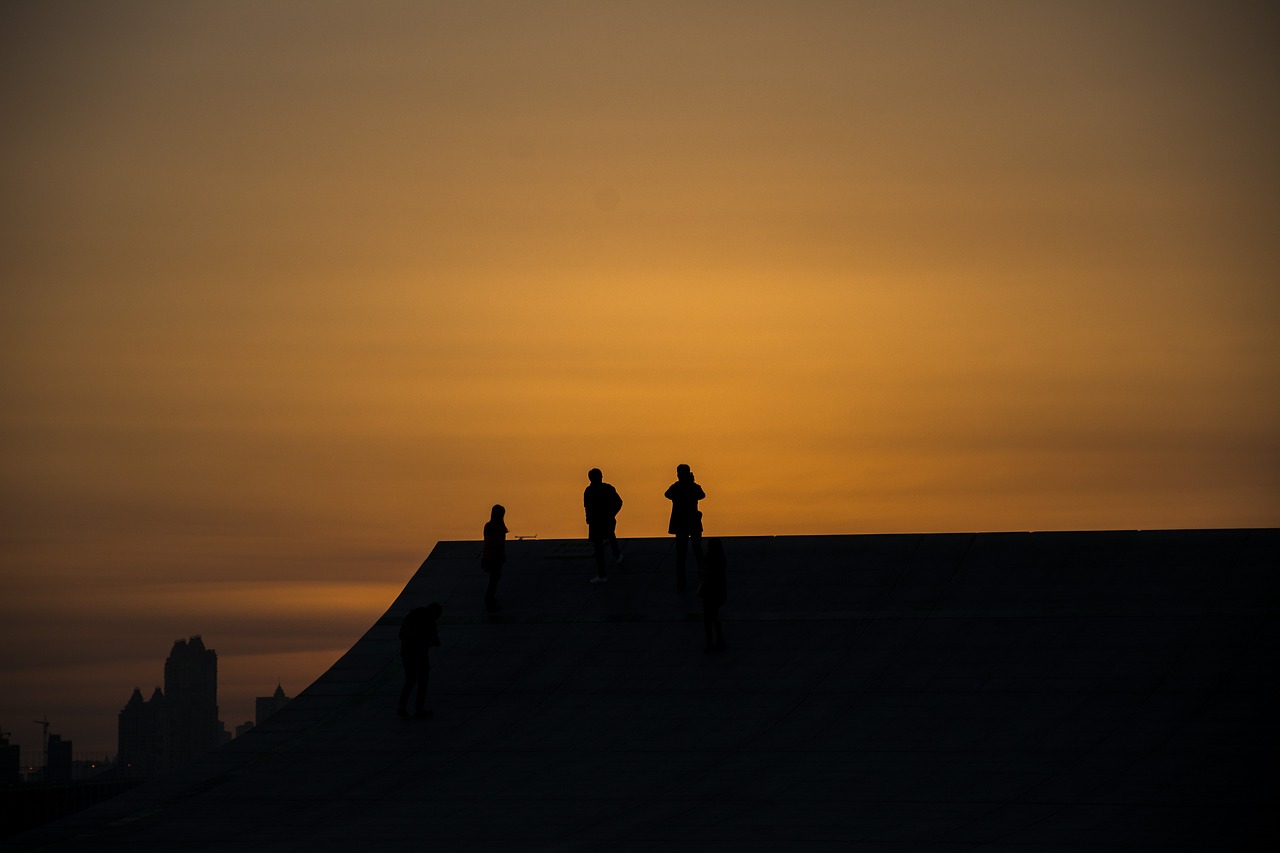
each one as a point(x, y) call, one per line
point(595, 475)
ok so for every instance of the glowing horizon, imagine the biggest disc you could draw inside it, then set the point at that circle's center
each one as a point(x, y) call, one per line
point(293, 291)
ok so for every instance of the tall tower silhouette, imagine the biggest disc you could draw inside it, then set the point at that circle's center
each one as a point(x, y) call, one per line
point(191, 726)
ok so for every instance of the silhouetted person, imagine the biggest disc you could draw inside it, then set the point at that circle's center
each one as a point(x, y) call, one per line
point(417, 635)
point(686, 519)
point(714, 593)
point(494, 554)
point(602, 503)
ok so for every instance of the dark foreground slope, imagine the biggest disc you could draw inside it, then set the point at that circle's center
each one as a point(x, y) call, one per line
point(1023, 691)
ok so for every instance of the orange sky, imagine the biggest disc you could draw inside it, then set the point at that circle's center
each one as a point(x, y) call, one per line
point(292, 291)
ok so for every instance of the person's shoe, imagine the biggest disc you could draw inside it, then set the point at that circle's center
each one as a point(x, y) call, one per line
point(597, 579)
point(422, 714)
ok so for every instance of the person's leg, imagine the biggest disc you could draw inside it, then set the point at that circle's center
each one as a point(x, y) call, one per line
point(424, 676)
point(403, 709)
point(597, 543)
point(682, 550)
point(697, 549)
point(491, 594)
point(719, 631)
point(708, 619)
point(617, 549)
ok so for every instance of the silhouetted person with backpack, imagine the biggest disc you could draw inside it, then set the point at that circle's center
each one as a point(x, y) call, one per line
point(686, 519)
point(494, 554)
point(418, 634)
point(602, 503)
point(714, 593)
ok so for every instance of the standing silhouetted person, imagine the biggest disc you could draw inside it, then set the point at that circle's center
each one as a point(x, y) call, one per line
point(714, 593)
point(686, 519)
point(417, 635)
point(494, 554)
point(602, 503)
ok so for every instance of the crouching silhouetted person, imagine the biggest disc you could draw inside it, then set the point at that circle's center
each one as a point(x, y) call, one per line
point(418, 634)
point(714, 593)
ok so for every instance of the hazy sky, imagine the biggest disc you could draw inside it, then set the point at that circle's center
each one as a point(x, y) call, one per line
point(293, 290)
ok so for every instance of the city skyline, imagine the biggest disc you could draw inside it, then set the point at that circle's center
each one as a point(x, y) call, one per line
point(293, 291)
point(148, 735)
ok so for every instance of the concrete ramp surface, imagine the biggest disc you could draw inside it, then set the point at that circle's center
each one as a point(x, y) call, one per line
point(1001, 691)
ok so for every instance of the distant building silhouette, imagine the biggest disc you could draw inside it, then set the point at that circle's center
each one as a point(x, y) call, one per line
point(10, 761)
point(265, 706)
point(176, 725)
point(58, 760)
point(140, 735)
point(192, 727)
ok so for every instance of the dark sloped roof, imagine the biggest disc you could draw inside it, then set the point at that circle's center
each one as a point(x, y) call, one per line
point(1026, 691)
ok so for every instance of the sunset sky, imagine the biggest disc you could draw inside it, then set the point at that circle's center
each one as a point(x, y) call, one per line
point(293, 290)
